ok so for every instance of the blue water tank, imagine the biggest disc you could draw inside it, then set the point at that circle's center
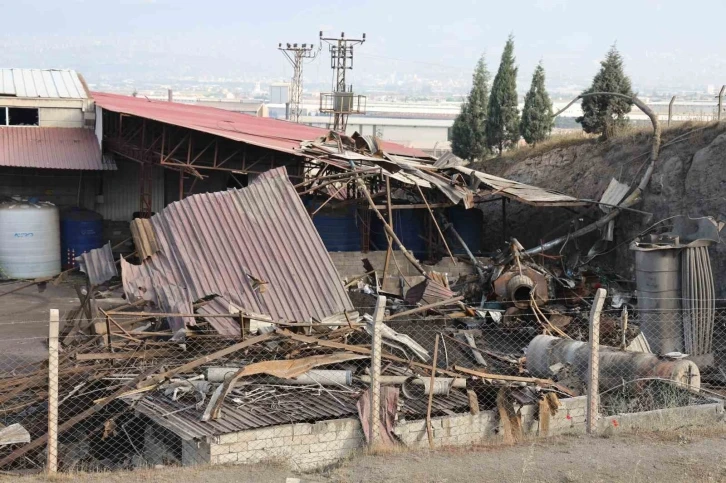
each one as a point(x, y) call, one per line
point(409, 226)
point(81, 231)
point(470, 225)
point(337, 227)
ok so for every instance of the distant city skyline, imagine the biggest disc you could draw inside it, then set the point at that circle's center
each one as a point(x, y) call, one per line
point(160, 41)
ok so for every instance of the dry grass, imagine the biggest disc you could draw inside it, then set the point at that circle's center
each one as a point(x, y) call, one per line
point(630, 134)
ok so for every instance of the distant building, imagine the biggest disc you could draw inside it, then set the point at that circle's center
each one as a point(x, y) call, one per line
point(48, 147)
point(279, 93)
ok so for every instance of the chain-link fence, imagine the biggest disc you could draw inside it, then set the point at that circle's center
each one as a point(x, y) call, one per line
point(122, 391)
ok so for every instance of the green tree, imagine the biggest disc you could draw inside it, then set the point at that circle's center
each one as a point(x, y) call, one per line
point(537, 121)
point(606, 114)
point(468, 134)
point(503, 115)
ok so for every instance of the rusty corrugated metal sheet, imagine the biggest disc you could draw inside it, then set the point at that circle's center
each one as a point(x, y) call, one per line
point(42, 83)
point(98, 264)
point(260, 131)
point(227, 243)
point(50, 147)
point(521, 192)
point(291, 406)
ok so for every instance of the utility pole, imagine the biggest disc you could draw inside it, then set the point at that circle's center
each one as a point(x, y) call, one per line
point(341, 102)
point(296, 55)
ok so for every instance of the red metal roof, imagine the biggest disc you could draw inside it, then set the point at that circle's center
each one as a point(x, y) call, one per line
point(260, 131)
point(49, 147)
point(224, 242)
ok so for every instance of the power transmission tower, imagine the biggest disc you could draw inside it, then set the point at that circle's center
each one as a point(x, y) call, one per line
point(341, 102)
point(296, 55)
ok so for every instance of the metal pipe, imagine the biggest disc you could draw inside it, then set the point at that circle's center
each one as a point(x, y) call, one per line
point(545, 352)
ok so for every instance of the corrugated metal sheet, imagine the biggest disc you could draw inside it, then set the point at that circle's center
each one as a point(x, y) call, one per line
point(520, 191)
point(42, 83)
point(50, 147)
point(121, 191)
point(225, 243)
point(227, 326)
point(289, 406)
point(98, 264)
point(260, 131)
point(613, 195)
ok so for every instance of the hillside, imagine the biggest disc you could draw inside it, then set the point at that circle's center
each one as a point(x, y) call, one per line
point(689, 178)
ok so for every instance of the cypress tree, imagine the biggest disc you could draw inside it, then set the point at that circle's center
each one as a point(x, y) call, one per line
point(537, 121)
point(606, 114)
point(503, 118)
point(468, 134)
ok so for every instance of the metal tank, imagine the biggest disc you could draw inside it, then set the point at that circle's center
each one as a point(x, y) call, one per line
point(658, 282)
point(29, 239)
point(81, 231)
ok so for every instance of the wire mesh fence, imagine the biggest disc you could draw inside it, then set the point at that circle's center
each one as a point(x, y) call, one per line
point(131, 393)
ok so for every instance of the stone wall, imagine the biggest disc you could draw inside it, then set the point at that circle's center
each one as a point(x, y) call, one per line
point(309, 446)
point(301, 446)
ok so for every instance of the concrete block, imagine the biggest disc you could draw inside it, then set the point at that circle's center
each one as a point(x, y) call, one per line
point(227, 458)
point(305, 439)
point(238, 447)
point(301, 429)
point(327, 437)
point(322, 447)
point(218, 449)
point(227, 438)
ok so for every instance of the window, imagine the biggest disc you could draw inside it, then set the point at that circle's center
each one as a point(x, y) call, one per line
point(22, 116)
point(18, 116)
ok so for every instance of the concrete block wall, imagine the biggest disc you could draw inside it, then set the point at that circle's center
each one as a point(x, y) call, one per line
point(350, 265)
point(302, 446)
point(467, 429)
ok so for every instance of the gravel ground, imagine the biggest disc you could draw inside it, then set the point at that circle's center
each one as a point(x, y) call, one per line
point(687, 456)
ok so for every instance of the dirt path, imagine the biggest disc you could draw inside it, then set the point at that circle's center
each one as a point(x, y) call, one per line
point(687, 456)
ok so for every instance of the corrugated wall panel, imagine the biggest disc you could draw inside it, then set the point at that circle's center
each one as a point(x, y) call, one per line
point(121, 191)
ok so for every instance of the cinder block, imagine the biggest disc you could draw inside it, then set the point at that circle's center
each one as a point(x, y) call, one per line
point(218, 449)
point(327, 437)
point(227, 438)
point(227, 458)
point(351, 443)
point(305, 439)
point(301, 429)
point(321, 447)
point(238, 447)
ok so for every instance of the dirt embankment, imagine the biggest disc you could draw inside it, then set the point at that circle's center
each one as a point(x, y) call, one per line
point(689, 179)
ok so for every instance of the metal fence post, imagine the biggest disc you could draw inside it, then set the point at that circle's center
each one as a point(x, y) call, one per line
point(375, 389)
point(720, 102)
point(53, 326)
point(594, 363)
point(670, 109)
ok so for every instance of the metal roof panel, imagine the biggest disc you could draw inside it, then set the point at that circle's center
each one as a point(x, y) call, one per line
point(50, 147)
point(42, 83)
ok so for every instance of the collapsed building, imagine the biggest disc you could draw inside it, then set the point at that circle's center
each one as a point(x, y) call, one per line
point(242, 326)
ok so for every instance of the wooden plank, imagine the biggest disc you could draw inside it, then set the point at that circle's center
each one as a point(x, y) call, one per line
point(503, 377)
point(37, 443)
point(429, 429)
point(413, 206)
point(203, 360)
point(423, 308)
point(53, 328)
point(141, 354)
point(359, 350)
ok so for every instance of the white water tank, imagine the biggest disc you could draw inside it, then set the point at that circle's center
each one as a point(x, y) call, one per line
point(29, 239)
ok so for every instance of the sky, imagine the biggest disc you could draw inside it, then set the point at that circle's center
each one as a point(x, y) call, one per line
point(663, 42)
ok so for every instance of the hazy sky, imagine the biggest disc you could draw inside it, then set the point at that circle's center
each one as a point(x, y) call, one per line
point(663, 42)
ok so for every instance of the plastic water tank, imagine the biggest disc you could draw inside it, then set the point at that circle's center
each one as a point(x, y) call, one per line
point(29, 239)
point(81, 231)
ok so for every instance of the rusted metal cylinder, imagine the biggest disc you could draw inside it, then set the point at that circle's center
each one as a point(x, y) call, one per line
point(545, 353)
point(416, 387)
point(519, 290)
